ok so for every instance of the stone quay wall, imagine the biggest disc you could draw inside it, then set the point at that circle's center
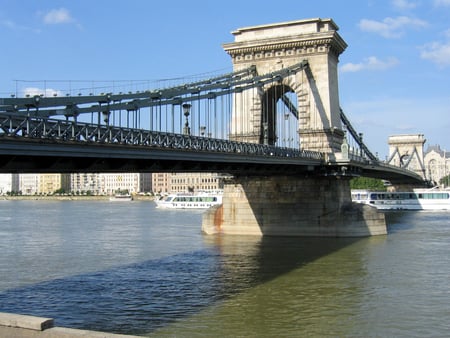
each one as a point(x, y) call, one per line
point(21, 326)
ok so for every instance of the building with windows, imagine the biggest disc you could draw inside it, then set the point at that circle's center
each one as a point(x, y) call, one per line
point(51, 183)
point(85, 183)
point(29, 184)
point(145, 181)
point(182, 182)
point(6, 183)
point(116, 182)
point(164, 183)
point(161, 183)
point(437, 163)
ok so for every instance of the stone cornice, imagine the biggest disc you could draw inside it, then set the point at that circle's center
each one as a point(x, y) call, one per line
point(332, 41)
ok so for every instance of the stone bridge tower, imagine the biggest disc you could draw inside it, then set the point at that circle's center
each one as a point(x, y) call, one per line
point(290, 205)
point(406, 151)
point(275, 46)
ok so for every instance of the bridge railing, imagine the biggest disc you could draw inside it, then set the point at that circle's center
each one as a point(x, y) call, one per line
point(73, 131)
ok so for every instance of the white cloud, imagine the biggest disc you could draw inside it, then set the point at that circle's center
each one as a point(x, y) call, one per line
point(391, 27)
point(370, 63)
point(438, 3)
point(15, 27)
point(58, 16)
point(437, 52)
point(33, 91)
point(9, 24)
point(404, 4)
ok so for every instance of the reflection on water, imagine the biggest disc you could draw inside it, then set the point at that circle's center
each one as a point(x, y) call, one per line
point(293, 287)
point(139, 270)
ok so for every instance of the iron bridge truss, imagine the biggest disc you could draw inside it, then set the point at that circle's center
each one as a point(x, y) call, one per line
point(39, 126)
point(25, 137)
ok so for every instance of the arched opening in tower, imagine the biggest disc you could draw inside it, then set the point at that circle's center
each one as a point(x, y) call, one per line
point(280, 117)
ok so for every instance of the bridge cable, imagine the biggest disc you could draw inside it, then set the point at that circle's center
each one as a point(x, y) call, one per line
point(357, 137)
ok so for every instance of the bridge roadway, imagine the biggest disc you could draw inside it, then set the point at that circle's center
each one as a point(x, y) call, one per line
point(31, 145)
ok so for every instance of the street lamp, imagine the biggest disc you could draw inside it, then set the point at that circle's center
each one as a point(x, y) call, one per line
point(105, 115)
point(186, 110)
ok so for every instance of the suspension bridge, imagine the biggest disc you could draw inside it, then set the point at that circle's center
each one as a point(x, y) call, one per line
point(276, 115)
point(182, 128)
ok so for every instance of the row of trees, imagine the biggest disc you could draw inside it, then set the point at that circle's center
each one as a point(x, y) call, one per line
point(367, 183)
point(376, 184)
point(56, 192)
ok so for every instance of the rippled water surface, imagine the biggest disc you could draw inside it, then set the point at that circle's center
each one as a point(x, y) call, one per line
point(131, 268)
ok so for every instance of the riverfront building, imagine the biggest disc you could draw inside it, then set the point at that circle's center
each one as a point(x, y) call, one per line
point(29, 184)
point(49, 183)
point(182, 182)
point(437, 163)
point(83, 183)
point(161, 183)
point(6, 181)
point(113, 183)
point(164, 183)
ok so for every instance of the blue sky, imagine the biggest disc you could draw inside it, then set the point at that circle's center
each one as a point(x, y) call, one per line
point(394, 76)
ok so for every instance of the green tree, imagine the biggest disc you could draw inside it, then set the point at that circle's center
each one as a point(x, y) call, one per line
point(445, 181)
point(367, 183)
point(60, 191)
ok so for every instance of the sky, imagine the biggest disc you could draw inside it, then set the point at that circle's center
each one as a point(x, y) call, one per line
point(394, 76)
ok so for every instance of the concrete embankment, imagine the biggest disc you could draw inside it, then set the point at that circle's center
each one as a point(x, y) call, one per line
point(21, 326)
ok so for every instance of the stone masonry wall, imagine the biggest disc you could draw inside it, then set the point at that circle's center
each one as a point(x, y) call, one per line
point(287, 206)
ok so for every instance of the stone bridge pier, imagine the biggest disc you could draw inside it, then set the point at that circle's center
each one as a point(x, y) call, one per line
point(282, 205)
point(289, 206)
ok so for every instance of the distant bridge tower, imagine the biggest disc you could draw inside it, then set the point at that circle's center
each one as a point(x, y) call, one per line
point(406, 151)
point(273, 47)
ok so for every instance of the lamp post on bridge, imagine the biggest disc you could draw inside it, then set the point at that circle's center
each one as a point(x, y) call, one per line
point(266, 133)
point(360, 144)
point(105, 115)
point(186, 109)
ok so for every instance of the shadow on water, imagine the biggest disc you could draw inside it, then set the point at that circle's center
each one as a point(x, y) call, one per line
point(400, 220)
point(143, 297)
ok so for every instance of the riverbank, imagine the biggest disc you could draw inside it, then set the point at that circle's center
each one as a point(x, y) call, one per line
point(70, 198)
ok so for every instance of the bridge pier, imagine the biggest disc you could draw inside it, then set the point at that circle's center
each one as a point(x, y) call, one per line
point(292, 206)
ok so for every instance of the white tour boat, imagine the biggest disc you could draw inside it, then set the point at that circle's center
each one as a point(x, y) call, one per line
point(418, 199)
point(121, 198)
point(199, 200)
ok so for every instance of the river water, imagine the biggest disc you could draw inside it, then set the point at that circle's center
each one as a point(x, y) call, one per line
point(130, 268)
